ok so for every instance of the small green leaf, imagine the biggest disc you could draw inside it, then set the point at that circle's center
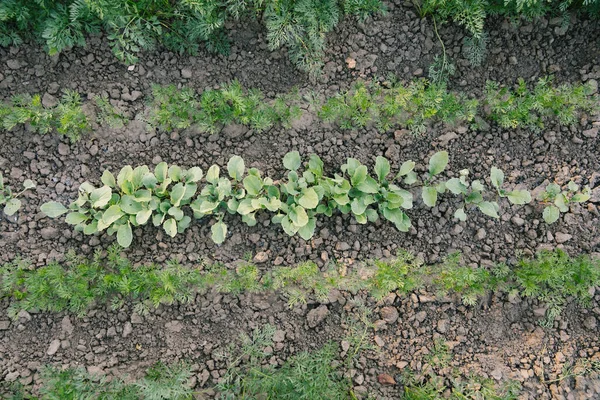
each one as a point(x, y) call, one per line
point(359, 176)
point(489, 208)
point(176, 213)
point(438, 162)
point(236, 167)
point(382, 168)
point(406, 167)
point(170, 227)
point(429, 195)
point(183, 224)
point(108, 179)
point(551, 214)
point(309, 199)
point(112, 214)
point(572, 186)
point(160, 171)
point(497, 177)
point(212, 175)
point(253, 185)
point(100, 197)
point(219, 232)
point(29, 184)
point(561, 202)
point(582, 197)
point(553, 189)
point(410, 178)
point(194, 174)
point(177, 193)
point(53, 209)
point(75, 218)
point(369, 185)
point(455, 186)
point(143, 216)
point(124, 235)
point(124, 175)
point(174, 173)
point(292, 161)
point(149, 180)
point(460, 214)
point(298, 216)
point(12, 206)
point(519, 197)
point(315, 165)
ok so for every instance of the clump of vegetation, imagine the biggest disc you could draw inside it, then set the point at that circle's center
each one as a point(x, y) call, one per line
point(307, 375)
point(553, 277)
point(529, 108)
point(161, 382)
point(10, 200)
point(67, 117)
point(108, 114)
point(134, 26)
point(558, 200)
point(179, 109)
point(412, 105)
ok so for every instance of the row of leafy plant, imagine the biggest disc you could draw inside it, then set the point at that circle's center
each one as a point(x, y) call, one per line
point(388, 105)
point(169, 196)
point(553, 277)
point(132, 26)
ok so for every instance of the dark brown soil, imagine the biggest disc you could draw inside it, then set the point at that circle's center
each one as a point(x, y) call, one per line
point(500, 336)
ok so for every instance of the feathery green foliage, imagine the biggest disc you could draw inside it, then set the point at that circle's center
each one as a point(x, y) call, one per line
point(161, 382)
point(472, 388)
point(66, 117)
point(179, 109)
point(132, 26)
point(529, 108)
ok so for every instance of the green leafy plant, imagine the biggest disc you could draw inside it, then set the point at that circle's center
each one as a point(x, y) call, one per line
point(108, 114)
point(552, 277)
point(9, 199)
point(558, 200)
point(523, 107)
point(66, 117)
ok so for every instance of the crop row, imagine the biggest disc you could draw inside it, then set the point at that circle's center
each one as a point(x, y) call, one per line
point(168, 195)
point(78, 284)
point(385, 106)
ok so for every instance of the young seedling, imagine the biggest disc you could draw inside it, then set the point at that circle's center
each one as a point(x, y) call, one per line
point(9, 199)
point(437, 164)
point(558, 200)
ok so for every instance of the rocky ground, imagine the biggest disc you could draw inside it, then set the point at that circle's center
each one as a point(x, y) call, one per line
point(500, 339)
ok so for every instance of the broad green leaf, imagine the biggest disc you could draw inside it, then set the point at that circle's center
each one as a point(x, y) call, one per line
point(112, 214)
point(477, 185)
point(455, 186)
point(160, 171)
point(157, 219)
point(183, 224)
point(519, 197)
point(143, 216)
point(176, 213)
point(369, 185)
point(29, 184)
point(86, 187)
point(298, 216)
point(315, 165)
point(572, 186)
point(553, 189)
point(91, 228)
point(429, 195)
point(175, 173)
point(236, 167)
point(405, 168)
point(124, 235)
point(245, 207)
point(170, 227)
point(108, 179)
point(460, 214)
point(253, 185)
point(149, 180)
point(207, 207)
point(177, 193)
point(309, 199)
point(142, 195)
point(307, 231)
point(489, 208)
point(358, 207)
point(292, 161)
point(372, 215)
point(212, 175)
point(382, 168)
point(12, 206)
point(410, 178)
point(101, 196)
point(249, 219)
point(497, 177)
point(398, 218)
point(129, 205)
point(359, 176)
point(551, 214)
point(76, 218)
point(582, 197)
point(438, 162)
point(53, 209)
point(190, 191)
point(194, 174)
point(561, 202)
point(124, 175)
point(219, 232)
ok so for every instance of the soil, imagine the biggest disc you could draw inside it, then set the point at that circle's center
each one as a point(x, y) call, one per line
point(499, 338)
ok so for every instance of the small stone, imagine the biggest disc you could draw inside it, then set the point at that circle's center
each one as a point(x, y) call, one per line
point(345, 345)
point(590, 322)
point(385, 379)
point(590, 133)
point(127, 329)
point(421, 315)
point(497, 374)
point(442, 325)
point(261, 257)
point(53, 348)
point(418, 72)
point(562, 237)
point(389, 314)
point(12, 376)
point(351, 62)
point(49, 101)
point(136, 318)
point(481, 234)
point(174, 326)
point(49, 233)
point(4, 325)
point(342, 246)
point(518, 221)
point(379, 341)
point(111, 332)
point(317, 315)
point(186, 73)
point(279, 336)
point(593, 84)
point(67, 326)
point(63, 149)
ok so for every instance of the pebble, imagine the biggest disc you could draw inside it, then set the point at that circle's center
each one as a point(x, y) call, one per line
point(317, 315)
point(389, 314)
point(562, 237)
point(53, 348)
point(421, 315)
